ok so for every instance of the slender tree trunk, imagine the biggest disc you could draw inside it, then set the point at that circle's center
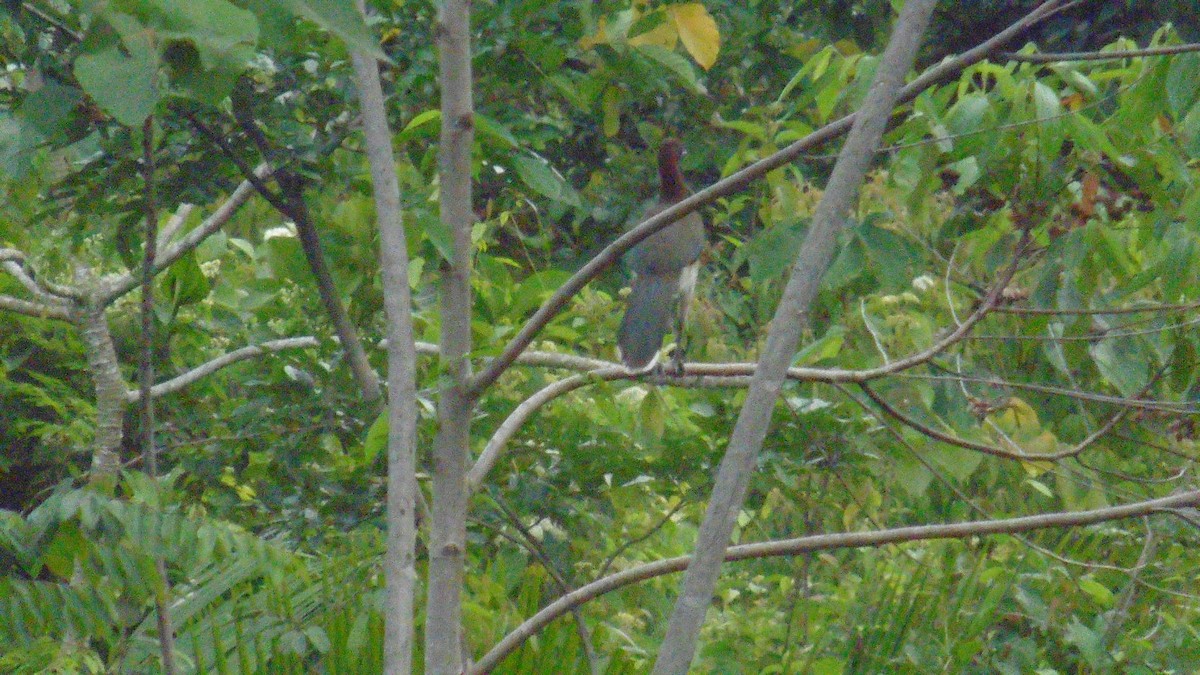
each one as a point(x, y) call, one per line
point(729, 492)
point(443, 628)
point(399, 565)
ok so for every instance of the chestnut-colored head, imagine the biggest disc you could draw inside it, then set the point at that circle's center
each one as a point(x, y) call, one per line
point(673, 187)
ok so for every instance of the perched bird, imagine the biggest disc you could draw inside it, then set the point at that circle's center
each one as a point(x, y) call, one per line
point(664, 267)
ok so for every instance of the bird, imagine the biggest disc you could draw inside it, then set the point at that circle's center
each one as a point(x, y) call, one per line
point(665, 266)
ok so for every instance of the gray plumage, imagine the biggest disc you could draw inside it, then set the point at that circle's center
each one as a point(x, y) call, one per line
point(664, 267)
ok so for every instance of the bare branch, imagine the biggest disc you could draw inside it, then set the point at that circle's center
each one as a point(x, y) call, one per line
point(175, 222)
point(1038, 311)
point(18, 272)
point(34, 309)
point(121, 284)
point(734, 183)
point(208, 368)
point(517, 418)
point(14, 262)
point(1182, 408)
point(1018, 454)
point(826, 542)
point(1100, 56)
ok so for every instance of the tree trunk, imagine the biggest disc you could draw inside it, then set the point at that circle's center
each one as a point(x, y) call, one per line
point(110, 396)
point(815, 255)
point(399, 564)
point(443, 628)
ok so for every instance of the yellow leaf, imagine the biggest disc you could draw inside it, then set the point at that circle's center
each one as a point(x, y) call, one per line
point(663, 35)
point(698, 31)
point(611, 104)
point(598, 38)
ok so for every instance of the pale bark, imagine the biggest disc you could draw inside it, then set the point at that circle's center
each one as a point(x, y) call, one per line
point(447, 545)
point(110, 396)
point(399, 563)
point(227, 359)
point(729, 491)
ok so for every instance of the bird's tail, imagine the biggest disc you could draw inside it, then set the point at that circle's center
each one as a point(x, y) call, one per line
point(647, 317)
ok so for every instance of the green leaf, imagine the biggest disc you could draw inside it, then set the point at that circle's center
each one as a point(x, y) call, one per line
point(184, 282)
point(1182, 76)
point(1098, 591)
point(48, 109)
point(538, 175)
point(610, 104)
point(209, 44)
point(417, 123)
point(911, 474)
point(896, 261)
point(1123, 362)
point(376, 439)
point(674, 62)
point(122, 78)
point(1090, 644)
point(829, 346)
point(336, 16)
point(773, 251)
point(652, 414)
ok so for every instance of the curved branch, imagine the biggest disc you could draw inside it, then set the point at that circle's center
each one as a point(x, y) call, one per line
point(825, 542)
point(733, 183)
point(705, 375)
point(14, 262)
point(208, 368)
point(991, 449)
point(121, 284)
point(517, 418)
point(22, 275)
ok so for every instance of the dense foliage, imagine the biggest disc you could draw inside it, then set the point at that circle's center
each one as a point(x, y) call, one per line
point(270, 517)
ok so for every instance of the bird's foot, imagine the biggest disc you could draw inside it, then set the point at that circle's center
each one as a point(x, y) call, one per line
point(676, 364)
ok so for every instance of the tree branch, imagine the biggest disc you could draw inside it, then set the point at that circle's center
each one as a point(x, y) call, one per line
point(119, 285)
point(826, 542)
point(992, 450)
point(734, 183)
point(1100, 56)
point(34, 309)
point(209, 367)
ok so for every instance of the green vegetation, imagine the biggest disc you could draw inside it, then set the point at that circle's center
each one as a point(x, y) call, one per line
point(270, 513)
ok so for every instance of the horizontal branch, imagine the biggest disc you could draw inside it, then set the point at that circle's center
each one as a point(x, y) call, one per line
point(1040, 311)
point(1145, 404)
point(825, 542)
point(179, 382)
point(1101, 56)
point(34, 309)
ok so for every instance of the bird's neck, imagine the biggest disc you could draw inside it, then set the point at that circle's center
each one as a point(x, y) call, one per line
point(673, 187)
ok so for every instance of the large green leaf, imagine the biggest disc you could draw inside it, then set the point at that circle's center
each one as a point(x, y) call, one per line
point(539, 175)
point(122, 78)
point(336, 16)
